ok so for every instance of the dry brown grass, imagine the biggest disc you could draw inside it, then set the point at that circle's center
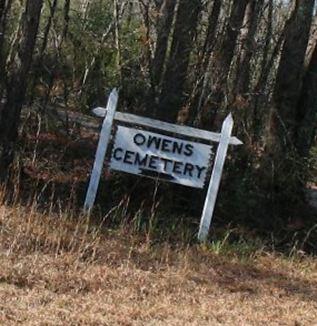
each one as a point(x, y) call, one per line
point(57, 270)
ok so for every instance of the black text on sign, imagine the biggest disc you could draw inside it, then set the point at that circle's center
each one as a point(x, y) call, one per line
point(158, 156)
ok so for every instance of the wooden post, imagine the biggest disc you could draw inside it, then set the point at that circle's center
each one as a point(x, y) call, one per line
point(101, 151)
point(215, 179)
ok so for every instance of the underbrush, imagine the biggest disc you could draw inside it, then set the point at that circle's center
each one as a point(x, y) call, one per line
point(57, 230)
point(72, 255)
point(62, 267)
point(51, 177)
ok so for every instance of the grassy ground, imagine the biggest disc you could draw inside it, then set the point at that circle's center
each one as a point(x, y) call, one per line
point(59, 270)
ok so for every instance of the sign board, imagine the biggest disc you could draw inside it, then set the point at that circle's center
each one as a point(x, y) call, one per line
point(158, 156)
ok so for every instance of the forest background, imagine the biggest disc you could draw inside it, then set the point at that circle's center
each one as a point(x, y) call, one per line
point(183, 61)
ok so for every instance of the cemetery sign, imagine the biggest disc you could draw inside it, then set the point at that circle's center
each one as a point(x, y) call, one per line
point(160, 156)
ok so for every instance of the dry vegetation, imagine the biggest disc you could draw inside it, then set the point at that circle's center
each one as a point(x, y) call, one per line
point(186, 61)
point(61, 270)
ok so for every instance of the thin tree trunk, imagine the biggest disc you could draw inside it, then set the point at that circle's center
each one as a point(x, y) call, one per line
point(14, 41)
point(146, 66)
point(84, 8)
point(247, 46)
point(66, 22)
point(307, 109)
point(289, 78)
point(2, 7)
point(17, 84)
point(5, 7)
point(223, 59)
point(172, 95)
point(211, 33)
point(163, 26)
point(204, 66)
point(312, 42)
point(38, 64)
point(163, 32)
point(117, 37)
point(48, 27)
point(261, 90)
point(282, 167)
point(229, 42)
point(266, 64)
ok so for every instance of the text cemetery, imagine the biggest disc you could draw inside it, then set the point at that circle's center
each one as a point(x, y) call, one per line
point(154, 155)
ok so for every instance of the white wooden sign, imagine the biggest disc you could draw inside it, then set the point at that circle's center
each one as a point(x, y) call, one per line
point(159, 156)
point(156, 155)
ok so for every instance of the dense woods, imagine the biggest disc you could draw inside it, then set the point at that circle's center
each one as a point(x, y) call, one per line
point(183, 61)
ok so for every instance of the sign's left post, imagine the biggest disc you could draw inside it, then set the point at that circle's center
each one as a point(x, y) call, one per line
point(101, 151)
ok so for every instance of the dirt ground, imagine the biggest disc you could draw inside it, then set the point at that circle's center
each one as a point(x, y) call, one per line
point(56, 272)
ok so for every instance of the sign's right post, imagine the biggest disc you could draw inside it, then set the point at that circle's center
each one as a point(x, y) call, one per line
point(215, 179)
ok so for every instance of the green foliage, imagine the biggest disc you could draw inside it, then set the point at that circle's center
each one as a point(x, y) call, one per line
point(234, 242)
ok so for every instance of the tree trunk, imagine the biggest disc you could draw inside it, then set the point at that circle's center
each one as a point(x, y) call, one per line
point(17, 84)
point(163, 32)
point(223, 59)
point(247, 46)
point(66, 18)
point(307, 109)
point(172, 95)
point(228, 45)
point(283, 169)
point(312, 42)
point(289, 78)
point(117, 35)
point(203, 66)
point(146, 56)
point(260, 97)
point(211, 33)
point(48, 27)
point(5, 6)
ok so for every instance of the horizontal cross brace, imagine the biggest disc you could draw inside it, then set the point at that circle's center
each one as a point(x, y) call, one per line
point(169, 127)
